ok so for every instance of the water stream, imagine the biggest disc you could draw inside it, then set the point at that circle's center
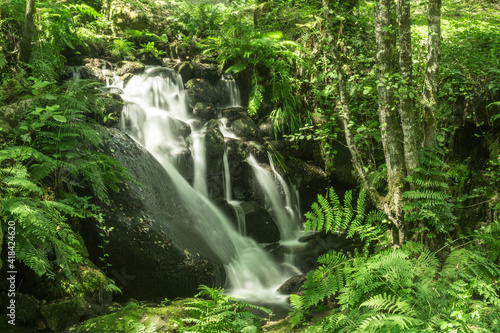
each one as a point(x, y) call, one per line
point(155, 115)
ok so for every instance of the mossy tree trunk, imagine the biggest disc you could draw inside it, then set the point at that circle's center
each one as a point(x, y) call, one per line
point(399, 131)
point(430, 92)
point(27, 33)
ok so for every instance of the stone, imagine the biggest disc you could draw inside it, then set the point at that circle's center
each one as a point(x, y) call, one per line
point(259, 224)
point(185, 69)
point(293, 285)
point(154, 250)
point(27, 308)
point(205, 111)
point(244, 127)
point(61, 314)
point(200, 91)
point(132, 67)
point(208, 72)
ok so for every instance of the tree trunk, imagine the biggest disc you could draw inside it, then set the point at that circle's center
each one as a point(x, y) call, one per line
point(27, 34)
point(406, 110)
point(389, 123)
point(430, 103)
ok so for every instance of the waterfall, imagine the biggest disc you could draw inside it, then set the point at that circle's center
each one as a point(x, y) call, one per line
point(281, 208)
point(229, 92)
point(155, 114)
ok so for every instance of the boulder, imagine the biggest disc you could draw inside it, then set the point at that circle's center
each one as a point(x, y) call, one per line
point(61, 314)
point(293, 285)
point(154, 250)
point(130, 67)
point(259, 224)
point(124, 17)
point(208, 72)
point(244, 127)
point(200, 90)
point(205, 111)
point(185, 69)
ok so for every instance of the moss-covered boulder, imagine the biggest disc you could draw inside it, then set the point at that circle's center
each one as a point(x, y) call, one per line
point(133, 67)
point(205, 111)
point(185, 69)
point(61, 314)
point(136, 318)
point(200, 91)
point(206, 71)
point(125, 15)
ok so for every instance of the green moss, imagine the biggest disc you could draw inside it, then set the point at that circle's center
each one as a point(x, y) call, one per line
point(136, 318)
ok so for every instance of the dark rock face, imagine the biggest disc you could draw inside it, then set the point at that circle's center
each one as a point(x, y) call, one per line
point(61, 314)
point(146, 249)
point(259, 224)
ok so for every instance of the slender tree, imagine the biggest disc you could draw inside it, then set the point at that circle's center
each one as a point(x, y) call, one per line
point(27, 33)
point(399, 132)
point(430, 92)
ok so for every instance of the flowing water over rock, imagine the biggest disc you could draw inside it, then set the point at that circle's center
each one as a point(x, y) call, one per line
point(156, 116)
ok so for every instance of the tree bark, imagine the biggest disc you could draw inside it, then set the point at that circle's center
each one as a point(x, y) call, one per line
point(406, 110)
point(430, 103)
point(27, 33)
point(389, 123)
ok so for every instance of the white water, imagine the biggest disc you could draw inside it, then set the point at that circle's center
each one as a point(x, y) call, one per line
point(156, 115)
point(283, 211)
point(229, 92)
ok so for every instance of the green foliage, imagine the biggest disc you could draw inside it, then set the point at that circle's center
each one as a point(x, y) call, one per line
point(328, 214)
point(406, 290)
point(53, 152)
point(428, 204)
point(122, 48)
point(150, 48)
point(221, 313)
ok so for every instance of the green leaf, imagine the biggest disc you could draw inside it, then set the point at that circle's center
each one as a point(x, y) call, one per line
point(59, 118)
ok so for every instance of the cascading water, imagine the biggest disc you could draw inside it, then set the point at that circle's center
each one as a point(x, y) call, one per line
point(155, 115)
point(229, 92)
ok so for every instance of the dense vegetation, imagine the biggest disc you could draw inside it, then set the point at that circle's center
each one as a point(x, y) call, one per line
point(362, 73)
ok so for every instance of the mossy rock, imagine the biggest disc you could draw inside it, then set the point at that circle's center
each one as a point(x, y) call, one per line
point(205, 111)
point(61, 314)
point(133, 67)
point(135, 318)
point(185, 69)
point(200, 91)
point(245, 127)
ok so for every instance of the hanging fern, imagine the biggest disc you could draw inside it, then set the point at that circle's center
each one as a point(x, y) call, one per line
point(329, 215)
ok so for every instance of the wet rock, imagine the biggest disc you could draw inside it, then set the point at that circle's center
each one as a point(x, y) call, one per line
point(205, 111)
point(244, 127)
point(130, 67)
point(154, 247)
point(100, 69)
point(27, 308)
point(185, 69)
point(61, 314)
point(259, 224)
point(208, 72)
point(266, 128)
point(293, 285)
point(200, 90)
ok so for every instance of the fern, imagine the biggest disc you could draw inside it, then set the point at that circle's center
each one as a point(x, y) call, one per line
point(407, 290)
point(429, 206)
point(329, 215)
point(221, 314)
